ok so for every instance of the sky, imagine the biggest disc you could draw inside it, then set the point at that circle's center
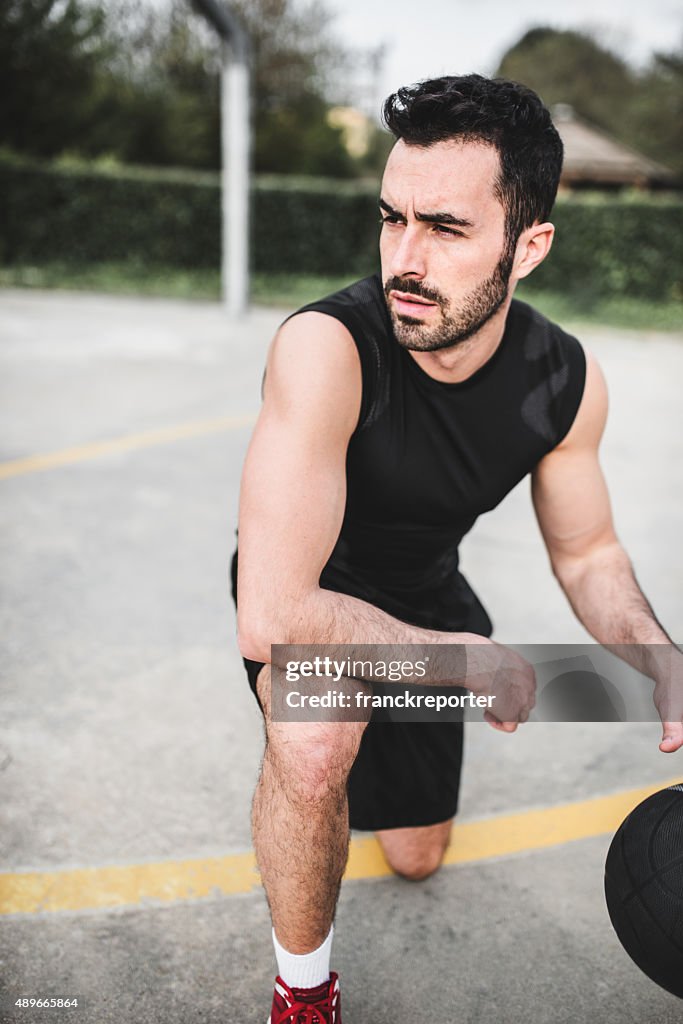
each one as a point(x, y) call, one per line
point(425, 38)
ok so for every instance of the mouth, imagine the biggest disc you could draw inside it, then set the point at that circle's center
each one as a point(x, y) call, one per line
point(412, 305)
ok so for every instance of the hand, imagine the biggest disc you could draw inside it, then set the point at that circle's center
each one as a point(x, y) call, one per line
point(496, 671)
point(668, 698)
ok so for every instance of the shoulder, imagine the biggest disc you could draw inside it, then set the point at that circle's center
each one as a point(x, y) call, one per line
point(313, 372)
point(543, 338)
point(578, 368)
point(591, 416)
point(361, 308)
point(354, 319)
point(330, 329)
point(552, 364)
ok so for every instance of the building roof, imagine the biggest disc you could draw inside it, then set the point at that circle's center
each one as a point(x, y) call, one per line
point(592, 156)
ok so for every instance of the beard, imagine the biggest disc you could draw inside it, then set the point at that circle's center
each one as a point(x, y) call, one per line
point(455, 326)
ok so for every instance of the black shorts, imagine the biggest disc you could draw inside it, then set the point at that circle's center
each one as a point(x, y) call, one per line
point(406, 774)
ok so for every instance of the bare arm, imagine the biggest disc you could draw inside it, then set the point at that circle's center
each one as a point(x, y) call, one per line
point(292, 505)
point(293, 496)
point(573, 509)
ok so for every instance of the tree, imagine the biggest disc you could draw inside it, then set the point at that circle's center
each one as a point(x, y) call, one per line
point(50, 51)
point(657, 113)
point(571, 67)
point(297, 67)
point(161, 102)
point(644, 109)
point(140, 82)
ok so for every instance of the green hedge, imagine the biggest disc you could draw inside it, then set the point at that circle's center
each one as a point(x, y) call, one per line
point(80, 215)
point(605, 245)
point(314, 226)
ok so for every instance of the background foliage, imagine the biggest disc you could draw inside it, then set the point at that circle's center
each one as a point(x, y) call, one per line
point(641, 107)
point(137, 81)
point(605, 245)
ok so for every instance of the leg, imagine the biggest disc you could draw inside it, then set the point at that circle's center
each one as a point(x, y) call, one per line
point(408, 774)
point(415, 853)
point(300, 821)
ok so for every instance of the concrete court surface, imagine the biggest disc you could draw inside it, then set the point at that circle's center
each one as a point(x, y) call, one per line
point(128, 736)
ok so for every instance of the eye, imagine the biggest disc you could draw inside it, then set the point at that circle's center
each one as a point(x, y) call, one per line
point(391, 219)
point(441, 229)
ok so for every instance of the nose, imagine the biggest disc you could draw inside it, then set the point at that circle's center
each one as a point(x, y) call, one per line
point(408, 256)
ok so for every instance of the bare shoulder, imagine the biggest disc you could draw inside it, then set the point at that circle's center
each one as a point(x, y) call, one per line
point(313, 363)
point(590, 419)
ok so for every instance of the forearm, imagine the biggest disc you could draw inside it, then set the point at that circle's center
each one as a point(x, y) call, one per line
point(606, 598)
point(343, 623)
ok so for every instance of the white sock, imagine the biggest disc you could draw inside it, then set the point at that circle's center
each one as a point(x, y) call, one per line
point(304, 970)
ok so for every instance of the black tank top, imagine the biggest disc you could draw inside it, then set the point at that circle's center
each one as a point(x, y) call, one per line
point(428, 457)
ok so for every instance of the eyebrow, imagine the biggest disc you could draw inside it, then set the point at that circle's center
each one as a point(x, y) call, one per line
point(430, 218)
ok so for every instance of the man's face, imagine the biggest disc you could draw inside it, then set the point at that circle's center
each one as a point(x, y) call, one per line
point(445, 262)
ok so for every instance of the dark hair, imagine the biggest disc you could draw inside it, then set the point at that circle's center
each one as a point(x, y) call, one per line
point(504, 114)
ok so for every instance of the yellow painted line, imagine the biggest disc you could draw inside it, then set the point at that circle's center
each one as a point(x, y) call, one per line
point(126, 885)
point(127, 443)
point(516, 833)
point(169, 881)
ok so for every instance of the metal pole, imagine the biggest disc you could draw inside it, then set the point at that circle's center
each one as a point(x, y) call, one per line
point(235, 136)
point(235, 181)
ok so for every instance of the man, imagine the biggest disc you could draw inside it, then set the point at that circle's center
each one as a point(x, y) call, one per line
point(394, 413)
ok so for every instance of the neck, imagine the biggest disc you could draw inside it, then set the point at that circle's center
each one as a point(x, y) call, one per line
point(459, 361)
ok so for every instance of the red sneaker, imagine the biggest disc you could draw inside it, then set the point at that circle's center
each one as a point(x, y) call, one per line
point(320, 1005)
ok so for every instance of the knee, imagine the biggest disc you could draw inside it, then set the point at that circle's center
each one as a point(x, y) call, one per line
point(415, 865)
point(415, 853)
point(312, 763)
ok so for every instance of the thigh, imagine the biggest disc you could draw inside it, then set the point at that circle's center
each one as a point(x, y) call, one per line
point(406, 775)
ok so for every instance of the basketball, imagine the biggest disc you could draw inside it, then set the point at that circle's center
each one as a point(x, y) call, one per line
point(580, 696)
point(644, 887)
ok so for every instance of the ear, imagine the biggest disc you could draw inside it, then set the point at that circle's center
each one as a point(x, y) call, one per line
point(532, 248)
